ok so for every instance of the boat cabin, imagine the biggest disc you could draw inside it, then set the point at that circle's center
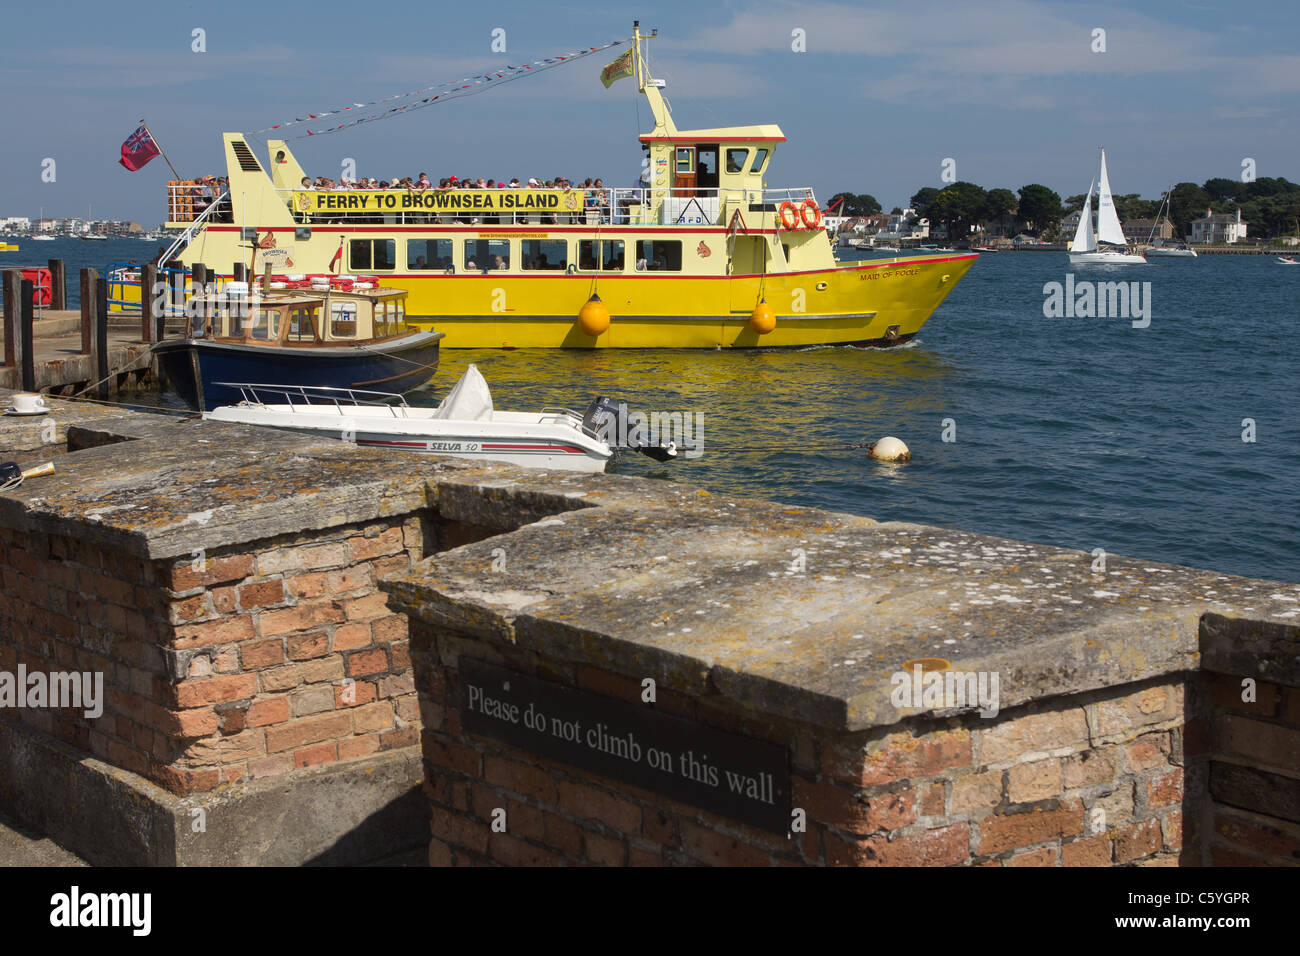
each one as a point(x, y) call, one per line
point(307, 319)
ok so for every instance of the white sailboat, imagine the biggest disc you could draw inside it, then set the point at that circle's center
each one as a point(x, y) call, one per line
point(1101, 249)
point(1158, 249)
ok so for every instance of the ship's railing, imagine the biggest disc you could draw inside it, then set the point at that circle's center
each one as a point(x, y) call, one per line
point(617, 205)
point(216, 211)
point(124, 287)
point(189, 200)
point(565, 416)
point(316, 396)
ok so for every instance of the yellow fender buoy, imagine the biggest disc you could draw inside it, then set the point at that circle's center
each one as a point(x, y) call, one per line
point(762, 320)
point(593, 318)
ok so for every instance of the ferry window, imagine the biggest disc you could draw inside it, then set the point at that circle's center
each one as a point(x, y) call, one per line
point(428, 254)
point(686, 159)
point(785, 250)
point(544, 254)
point(606, 255)
point(487, 255)
point(736, 160)
point(659, 255)
point(376, 254)
point(265, 325)
point(611, 255)
point(300, 326)
point(760, 157)
point(343, 320)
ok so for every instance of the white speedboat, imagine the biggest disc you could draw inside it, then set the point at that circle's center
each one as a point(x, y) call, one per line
point(1292, 261)
point(464, 425)
point(1109, 245)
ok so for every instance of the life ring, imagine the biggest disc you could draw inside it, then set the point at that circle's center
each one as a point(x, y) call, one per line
point(792, 223)
point(810, 204)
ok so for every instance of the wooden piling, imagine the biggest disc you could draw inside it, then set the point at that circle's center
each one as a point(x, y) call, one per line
point(101, 337)
point(148, 277)
point(11, 277)
point(198, 286)
point(88, 277)
point(26, 334)
point(58, 285)
point(175, 299)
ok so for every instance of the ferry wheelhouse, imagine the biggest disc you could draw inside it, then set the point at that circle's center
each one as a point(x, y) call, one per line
point(702, 254)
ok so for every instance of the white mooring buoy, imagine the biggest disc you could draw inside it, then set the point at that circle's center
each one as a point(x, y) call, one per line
point(890, 449)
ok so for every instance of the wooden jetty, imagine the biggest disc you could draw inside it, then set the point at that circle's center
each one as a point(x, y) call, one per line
point(64, 351)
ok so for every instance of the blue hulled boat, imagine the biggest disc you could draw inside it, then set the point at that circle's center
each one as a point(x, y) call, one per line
point(316, 335)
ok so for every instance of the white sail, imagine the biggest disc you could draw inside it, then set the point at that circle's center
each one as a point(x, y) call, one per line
point(1108, 227)
point(1084, 240)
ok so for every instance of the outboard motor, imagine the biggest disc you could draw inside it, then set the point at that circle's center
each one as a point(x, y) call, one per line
point(607, 419)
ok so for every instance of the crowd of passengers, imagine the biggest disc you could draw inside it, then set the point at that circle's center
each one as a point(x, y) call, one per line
point(596, 198)
point(192, 201)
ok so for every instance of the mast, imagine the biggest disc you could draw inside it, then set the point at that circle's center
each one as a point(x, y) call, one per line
point(1151, 239)
point(650, 87)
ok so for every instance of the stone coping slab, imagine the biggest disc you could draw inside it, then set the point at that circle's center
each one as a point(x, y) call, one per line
point(810, 613)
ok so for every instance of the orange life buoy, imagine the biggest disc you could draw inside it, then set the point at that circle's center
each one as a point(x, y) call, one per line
point(793, 222)
point(810, 204)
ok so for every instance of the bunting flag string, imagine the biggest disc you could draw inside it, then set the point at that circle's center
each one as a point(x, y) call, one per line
point(463, 87)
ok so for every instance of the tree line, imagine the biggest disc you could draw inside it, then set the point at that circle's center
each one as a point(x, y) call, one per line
point(1270, 205)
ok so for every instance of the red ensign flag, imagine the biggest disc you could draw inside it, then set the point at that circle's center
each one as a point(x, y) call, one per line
point(138, 149)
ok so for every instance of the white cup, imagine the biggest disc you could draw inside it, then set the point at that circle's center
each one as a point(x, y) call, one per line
point(27, 403)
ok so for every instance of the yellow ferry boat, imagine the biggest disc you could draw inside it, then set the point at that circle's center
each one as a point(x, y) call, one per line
point(702, 254)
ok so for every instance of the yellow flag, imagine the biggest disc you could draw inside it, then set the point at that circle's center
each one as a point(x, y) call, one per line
point(617, 70)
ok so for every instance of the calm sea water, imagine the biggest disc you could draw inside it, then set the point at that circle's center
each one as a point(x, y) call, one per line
point(1080, 432)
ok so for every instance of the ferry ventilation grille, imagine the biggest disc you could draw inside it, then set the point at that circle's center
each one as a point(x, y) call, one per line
point(247, 161)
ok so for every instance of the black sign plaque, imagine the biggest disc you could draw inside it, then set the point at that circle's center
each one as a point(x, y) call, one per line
point(728, 774)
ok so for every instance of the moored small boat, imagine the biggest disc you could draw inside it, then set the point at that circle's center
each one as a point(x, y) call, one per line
point(315, 334)
point(1180, 251)
point(464, 425)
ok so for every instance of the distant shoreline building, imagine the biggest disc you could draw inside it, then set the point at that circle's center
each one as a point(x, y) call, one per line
point(1140, 230)
point(1218, 227)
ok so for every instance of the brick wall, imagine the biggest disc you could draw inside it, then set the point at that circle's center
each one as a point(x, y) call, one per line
point(278, 655)
point(1252, 751)
point(1096, 780)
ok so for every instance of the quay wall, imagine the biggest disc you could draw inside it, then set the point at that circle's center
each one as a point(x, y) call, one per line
point(297, 637)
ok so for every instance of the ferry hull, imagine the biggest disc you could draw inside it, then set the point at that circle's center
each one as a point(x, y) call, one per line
point(855, 304)
point(194, 367)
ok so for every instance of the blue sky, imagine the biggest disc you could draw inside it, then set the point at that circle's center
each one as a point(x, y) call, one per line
point(1010, 89)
